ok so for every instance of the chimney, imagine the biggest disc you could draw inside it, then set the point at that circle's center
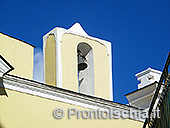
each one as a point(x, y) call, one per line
point(143, 95)
point(147, 77)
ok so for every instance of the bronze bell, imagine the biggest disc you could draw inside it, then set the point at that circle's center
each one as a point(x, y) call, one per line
point(81, 61)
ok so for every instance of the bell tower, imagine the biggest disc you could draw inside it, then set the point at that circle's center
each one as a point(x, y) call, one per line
point(75, 61)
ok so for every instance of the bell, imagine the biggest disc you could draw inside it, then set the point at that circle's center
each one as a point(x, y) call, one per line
point(81, 64)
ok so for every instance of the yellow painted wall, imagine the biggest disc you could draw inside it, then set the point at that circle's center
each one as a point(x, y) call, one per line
point(20, 110)
point(50, 60)
point(69, 64)
point(18, 54)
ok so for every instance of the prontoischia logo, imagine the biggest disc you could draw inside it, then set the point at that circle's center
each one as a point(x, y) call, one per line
point(110, 113)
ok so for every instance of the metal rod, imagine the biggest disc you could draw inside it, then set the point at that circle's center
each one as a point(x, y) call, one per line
point(163, 77)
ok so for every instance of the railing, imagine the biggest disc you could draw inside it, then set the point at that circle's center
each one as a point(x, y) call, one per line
point(149, 121)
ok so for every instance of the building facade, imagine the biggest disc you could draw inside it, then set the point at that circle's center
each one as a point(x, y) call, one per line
point(78, 79)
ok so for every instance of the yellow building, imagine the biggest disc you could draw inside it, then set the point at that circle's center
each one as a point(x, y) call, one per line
point(19, 54)
point(78, 73)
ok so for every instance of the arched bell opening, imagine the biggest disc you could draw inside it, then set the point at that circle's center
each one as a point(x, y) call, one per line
point(85, 67)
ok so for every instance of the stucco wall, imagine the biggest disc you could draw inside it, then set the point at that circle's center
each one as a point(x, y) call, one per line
point(20, 110)
point(18, 54)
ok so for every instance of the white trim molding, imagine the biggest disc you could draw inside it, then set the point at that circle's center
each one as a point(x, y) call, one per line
point(33, 88)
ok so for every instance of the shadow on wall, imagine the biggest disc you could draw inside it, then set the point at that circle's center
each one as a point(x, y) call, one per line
point(2, 88)
point(1, 125)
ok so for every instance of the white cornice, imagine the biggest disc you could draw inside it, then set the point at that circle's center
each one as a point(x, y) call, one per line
point(147, 71)
point(62, 95)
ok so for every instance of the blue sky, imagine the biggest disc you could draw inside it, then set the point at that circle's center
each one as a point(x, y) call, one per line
point(139, 30)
